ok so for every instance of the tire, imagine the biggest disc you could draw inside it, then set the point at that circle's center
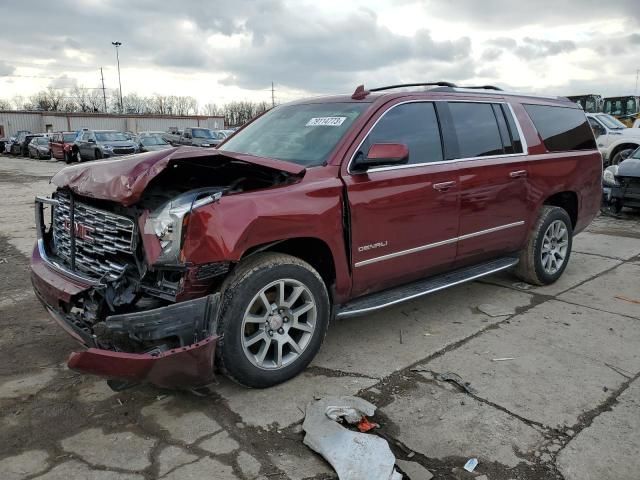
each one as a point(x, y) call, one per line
point(535, 266)
point(67, 158)
point(615, 206)
point(244, 316)
point(621, 155)
point(97, 154)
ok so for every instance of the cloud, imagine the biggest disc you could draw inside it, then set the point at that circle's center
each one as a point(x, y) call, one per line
point(506, 14)
point(63, 81)
point(6, 69)
point(316, 47)
point(535, 48)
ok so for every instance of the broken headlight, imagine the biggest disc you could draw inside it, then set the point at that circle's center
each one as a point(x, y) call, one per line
point(168, 223)
point(609, 175)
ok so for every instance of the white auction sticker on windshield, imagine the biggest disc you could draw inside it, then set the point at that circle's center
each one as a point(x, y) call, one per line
point(325, 122)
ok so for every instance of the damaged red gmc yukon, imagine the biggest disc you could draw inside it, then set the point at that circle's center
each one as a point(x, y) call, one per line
point(168, 264)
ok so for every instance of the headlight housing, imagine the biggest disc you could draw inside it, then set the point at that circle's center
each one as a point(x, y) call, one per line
point(168, 223)
point(108, 147)
point(609, 175)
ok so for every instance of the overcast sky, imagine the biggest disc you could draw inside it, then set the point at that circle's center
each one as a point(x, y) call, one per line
point(233, 49)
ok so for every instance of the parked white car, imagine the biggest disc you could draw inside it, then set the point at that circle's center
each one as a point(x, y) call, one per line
point(615, 140)
point(636, 124)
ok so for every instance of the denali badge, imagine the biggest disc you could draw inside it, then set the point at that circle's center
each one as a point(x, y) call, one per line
point(80, 231)
point(371, 246)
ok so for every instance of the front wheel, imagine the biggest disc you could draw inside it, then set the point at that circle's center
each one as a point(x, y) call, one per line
point(274, 317)
point(621, 156)
point(548, 248)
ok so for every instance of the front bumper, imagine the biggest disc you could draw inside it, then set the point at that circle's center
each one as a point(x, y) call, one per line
point(190, 365)
point(629, 196)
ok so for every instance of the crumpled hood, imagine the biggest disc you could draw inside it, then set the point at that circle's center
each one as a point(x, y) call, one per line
point(123, 180)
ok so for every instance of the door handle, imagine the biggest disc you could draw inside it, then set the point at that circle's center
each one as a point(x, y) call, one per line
point(444, 186)
point(518, 174)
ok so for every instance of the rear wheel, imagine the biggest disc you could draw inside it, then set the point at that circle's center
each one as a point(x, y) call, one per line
point(67, 158)
point(548, 249)
point(98, 154)
point(273, 319)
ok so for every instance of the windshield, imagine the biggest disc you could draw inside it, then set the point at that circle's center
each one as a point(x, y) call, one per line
point(111, 137)
point(42, 141)
point(611, 122)
point(202, 133)
point(148, 140)
point(303, 134)
point(69, 137)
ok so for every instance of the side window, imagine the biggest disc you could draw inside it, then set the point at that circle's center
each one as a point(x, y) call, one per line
point(562, 128)
point(415, 125)
point(596, 127)
point(477, 129)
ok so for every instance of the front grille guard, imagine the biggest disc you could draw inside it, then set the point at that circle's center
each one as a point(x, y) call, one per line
point(45, 236)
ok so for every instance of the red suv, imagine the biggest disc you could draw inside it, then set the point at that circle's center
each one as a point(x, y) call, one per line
point(166, 263)
point(61, 144)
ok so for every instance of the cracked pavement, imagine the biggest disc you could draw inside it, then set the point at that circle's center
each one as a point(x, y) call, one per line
point(554, 376)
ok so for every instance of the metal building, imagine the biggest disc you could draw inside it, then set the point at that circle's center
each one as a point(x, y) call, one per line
point(37, 122)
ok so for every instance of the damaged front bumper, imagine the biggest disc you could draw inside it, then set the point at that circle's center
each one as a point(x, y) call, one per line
point(188, 361)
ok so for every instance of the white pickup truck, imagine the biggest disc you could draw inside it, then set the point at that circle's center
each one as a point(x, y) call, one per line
point(615, 140)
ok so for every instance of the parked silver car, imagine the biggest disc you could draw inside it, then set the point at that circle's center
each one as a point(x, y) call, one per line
point(96, 144)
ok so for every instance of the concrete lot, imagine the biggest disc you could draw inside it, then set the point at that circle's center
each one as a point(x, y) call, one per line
point(564, 401)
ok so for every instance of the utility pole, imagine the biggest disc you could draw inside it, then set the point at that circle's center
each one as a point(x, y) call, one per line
point(104, 94)
point(118, 44)
point(273, 96)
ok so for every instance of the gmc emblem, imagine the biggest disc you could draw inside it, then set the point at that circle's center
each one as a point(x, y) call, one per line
point(80, 231)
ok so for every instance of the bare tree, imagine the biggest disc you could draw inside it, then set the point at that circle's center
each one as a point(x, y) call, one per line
point(81, 96)
point(4, 104)
point(212, 109)
point(18, 102)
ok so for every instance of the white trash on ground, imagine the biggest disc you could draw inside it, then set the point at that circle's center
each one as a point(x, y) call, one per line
point(353, 455)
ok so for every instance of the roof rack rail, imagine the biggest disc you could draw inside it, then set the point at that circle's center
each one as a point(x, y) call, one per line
point(482, 87)
point(427, 84)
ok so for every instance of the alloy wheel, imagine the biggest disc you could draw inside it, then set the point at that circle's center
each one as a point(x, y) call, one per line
point(555, 244)
point(278, 324)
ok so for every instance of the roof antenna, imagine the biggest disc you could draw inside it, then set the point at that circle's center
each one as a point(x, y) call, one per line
point(360, 93)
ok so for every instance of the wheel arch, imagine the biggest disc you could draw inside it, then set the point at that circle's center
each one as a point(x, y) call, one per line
point(568, 201)
point(315, 251)
point(622, 145)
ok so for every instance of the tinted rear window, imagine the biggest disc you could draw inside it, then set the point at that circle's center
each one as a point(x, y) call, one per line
point(477, 129)
point(562, 128)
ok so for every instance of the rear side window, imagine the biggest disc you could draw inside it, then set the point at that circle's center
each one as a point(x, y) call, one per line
point(415, 125)
point(562, 128)
point(477, 129)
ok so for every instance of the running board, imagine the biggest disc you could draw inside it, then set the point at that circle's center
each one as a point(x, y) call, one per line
point(386, 298)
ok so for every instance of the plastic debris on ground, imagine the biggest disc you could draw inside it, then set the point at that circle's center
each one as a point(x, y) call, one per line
point(353, 455)
point(471, 464)
point(457, 379)
point(365, 425)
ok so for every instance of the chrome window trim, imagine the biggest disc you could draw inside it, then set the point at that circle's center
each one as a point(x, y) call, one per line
point(525, 146)
point(437, 244)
